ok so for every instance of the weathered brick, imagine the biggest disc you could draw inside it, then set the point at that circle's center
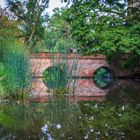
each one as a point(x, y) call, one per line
point(87, 65)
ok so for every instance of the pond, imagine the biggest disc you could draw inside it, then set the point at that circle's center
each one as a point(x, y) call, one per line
point(117, 118)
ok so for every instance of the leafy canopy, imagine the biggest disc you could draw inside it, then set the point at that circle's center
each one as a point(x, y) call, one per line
point(32, 15)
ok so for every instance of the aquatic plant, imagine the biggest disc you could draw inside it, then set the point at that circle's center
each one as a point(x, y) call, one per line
point(53, 74)
point(16, 59)
point(16, 68)
point(60, 76)
point(2, 75)
point(6, 83)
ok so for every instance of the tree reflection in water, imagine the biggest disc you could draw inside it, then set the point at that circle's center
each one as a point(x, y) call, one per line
point(115, 118)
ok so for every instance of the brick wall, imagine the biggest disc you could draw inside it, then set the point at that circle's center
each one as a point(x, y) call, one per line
point(85, 89)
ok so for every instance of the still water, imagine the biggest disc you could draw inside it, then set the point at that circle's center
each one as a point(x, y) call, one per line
point(117, 118)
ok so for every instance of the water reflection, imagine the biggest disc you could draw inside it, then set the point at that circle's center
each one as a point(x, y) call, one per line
point(118, 117)
point(20, 121)
point(124, 92)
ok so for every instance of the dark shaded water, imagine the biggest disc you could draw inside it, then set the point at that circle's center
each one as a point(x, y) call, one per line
point(117, 118)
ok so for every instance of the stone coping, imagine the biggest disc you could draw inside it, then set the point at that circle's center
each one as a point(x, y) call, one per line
point(45, 55)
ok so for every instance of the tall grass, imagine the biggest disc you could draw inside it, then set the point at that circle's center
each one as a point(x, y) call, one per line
point(7, 84)
point(16, 64)
point(61, 75)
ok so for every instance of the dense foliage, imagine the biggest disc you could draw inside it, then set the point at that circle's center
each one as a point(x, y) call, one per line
point(108, 27)
point(32, 16)
point(91, 26)
point(58, 34)
point(89, 19)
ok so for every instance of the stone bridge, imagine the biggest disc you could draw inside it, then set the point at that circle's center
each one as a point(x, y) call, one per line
point(87, 65)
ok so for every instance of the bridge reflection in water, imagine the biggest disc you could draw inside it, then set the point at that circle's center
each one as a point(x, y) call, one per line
point(85, 87)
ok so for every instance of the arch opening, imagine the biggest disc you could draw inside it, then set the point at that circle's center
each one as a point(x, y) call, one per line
point(104, 77)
